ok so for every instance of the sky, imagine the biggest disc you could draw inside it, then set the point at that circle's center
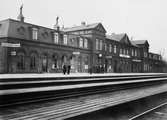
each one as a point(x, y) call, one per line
point(140, 19)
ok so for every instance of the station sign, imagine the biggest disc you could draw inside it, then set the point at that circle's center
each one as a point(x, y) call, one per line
point(136, 60)
point(13, 53)
point(108, 56)
point(10, 45)
point(76, 53)
point(125, 56)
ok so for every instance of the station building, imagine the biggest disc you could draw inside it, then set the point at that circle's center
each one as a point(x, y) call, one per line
point(29, 48)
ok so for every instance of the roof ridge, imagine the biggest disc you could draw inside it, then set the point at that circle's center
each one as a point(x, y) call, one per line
point(82, 25)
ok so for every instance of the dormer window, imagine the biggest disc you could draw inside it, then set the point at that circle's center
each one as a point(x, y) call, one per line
point(56, 37)
point(21, 30)
point(34, 33)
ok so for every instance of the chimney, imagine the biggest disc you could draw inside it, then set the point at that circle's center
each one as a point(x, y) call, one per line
point(83, 23)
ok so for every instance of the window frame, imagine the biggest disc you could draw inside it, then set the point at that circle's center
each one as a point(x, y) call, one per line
point(56, 37)
point(65, 39)
point(35, 33)
point(85, 43)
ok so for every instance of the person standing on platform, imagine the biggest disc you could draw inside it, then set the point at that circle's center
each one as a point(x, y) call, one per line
point(68, 67)
point(64, 68)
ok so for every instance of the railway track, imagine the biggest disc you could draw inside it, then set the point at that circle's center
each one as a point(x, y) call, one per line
point(22, 96)
point(141, 115)
point(73, 108)
point(56, 95)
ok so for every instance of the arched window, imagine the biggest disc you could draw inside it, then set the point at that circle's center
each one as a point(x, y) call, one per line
point(33, 60)
point(21, 61)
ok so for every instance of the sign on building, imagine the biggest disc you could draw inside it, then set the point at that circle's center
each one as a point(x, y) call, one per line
point(76, 53)
point(13, 53)
point(10, 44)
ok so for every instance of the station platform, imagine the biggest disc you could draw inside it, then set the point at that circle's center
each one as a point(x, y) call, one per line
point(48, 75)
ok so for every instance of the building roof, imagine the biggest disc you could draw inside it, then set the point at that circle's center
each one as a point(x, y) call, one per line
point(139, 42)
point(82, 27)
point(17, 29)
point(134, 44)
point(116, 37)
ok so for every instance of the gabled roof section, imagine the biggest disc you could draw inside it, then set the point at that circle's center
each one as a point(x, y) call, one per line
point(133, 43)
point(140, 42)
point(116, 37)
point(125, 39)
point(122, 38)
point(98, 26)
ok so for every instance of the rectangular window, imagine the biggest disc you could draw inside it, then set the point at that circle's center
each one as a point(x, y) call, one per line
point(110, 48)
point(34, 33)
point(80, 42)
point(115, 49)
point(145, 54)
point(65, 39)
point(105, 46)
point(56, 38)
point(101, 44)
point(120, 50)
point(127, 51)
point(86, 43)
point(97, 44)
point(135, 52)
point(124, 51)
point(132, 52)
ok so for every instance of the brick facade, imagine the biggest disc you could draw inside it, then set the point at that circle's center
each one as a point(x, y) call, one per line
point(86, 47)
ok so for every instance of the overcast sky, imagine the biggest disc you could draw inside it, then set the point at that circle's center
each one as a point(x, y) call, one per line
point(140, 19)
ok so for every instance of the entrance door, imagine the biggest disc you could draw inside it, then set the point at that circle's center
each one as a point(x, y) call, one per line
point(44, 64)
point(115, 65)
point(76, 64)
